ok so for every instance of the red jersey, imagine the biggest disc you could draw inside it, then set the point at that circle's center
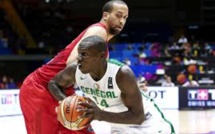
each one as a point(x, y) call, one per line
point(45, 73)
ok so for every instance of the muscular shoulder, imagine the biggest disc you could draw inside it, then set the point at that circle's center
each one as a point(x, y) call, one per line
point(125, 77)
point(68, 72)
point(71, 68)
point(124, 71)
point(66, 77)
point(97, 30)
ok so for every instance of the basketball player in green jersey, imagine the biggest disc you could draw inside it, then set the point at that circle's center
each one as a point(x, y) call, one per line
point(112, 91)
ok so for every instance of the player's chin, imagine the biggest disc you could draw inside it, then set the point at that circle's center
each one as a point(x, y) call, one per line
point(82, 70)
point(117, 31)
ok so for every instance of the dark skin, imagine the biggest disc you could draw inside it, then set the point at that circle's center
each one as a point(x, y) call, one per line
point(61, 82)
point(93, 62)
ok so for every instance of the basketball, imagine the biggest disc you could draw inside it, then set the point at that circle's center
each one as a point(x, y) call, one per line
point(68, 115)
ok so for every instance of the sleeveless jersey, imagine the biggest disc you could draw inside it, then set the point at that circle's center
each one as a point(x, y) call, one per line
point(106, 94)
point(45, 73)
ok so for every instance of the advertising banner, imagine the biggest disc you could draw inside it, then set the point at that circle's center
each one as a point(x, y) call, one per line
point(165, 97)
point(196, 97)
point(9, 102)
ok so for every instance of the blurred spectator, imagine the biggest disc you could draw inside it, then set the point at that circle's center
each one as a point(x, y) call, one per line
point(191, 83)
point(2, 85)
point(142, 84)
point(127, 62)
point(196, 49)
point(174, 46)
point(201, 69)
point(167, 51)
point(182, 39)
point(168, 82)
point(11, 84)
point(142, 55)
point(7, 83)
point(208, 49)
point(181, 78)
point(162, 79)
point(155, 50)
point(3, 82)
point(187, 50)
point(189, 60)
point(192, 69)
point(140, 78)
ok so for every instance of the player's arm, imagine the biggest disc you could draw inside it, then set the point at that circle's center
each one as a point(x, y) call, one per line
point(61, 81)
point(94, 30)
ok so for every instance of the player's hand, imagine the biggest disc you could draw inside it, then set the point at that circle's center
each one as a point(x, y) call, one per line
point(57, 109)
point(89, 109)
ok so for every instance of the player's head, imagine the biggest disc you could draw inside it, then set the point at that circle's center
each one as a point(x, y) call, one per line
point(91, 53)
point(115, 14)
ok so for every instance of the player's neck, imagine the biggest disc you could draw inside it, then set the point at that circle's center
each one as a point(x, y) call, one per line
point(99, 73)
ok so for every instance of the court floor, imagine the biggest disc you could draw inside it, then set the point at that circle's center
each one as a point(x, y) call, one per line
point(185, 122)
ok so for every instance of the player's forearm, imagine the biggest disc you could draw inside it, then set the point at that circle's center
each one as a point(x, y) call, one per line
point(56, 92)
point(123, 118)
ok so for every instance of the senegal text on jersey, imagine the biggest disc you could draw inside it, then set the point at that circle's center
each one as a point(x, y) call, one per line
point(98, 93)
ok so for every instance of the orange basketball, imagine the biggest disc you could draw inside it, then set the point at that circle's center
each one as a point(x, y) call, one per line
point(68, 115)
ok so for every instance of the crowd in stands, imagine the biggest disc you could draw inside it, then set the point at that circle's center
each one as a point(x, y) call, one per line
point(185, 63)
point(7, 83)
point(179, 63)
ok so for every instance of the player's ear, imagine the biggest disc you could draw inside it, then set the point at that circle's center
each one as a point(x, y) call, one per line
point(105, 15)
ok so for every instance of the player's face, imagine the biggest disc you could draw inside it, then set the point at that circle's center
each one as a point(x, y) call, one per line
point(117, 18)
point(87, 59)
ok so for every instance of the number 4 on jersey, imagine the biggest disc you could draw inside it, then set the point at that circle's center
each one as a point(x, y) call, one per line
point(103, 102)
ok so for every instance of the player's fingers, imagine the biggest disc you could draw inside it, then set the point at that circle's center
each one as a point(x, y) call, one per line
point(85, 104)
point(56, 109)
point(87, 115)
point(88, 99)
point(83, 110)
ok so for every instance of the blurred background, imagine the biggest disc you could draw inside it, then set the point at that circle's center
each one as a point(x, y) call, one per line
point(172, 37)
point(170, 44)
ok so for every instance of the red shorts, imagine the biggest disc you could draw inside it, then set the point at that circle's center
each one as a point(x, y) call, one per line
point(38, 107)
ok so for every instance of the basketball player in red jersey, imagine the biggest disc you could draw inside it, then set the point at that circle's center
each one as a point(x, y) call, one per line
point(37, 103)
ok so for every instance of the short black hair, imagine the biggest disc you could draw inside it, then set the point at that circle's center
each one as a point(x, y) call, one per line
point(108, 7)
point(95, 42)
